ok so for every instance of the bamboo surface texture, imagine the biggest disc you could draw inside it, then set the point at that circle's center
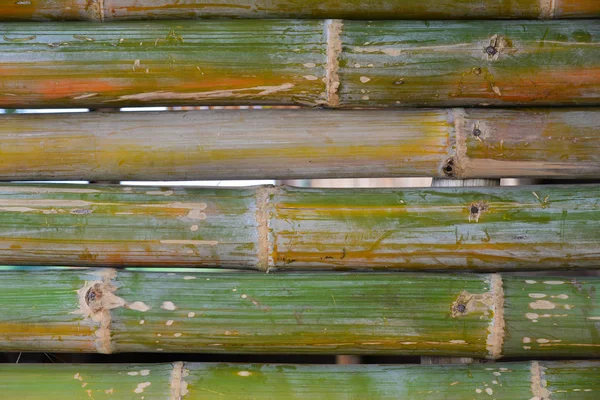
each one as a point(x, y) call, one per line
point(535, 227)
point(288, 144)
point(190, 381)
point(483, 316)
point(110, 10)
point(330, 63)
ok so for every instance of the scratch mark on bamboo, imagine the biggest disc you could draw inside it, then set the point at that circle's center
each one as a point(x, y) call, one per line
point(333, 33)
point(538, 383)
point(214, 94)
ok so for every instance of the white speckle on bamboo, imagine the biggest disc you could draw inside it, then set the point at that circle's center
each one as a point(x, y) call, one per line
point(244, 373)
point(169, 322)
point(138, 306)
point(554, 282)
point(364, 79)
point(145, 372)
point(537, 295)
point(532, 316)
point(191, 314)
point(168, 305)
point(189, 277)
point(141, 386)
point(542, 305)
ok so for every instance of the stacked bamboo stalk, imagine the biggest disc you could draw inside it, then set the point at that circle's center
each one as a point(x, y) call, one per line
point(191, 381)
point(289, 144)
point(330, 63)
point(109, 10)
point(333, 63)
point(267, 228)
point(483, 316)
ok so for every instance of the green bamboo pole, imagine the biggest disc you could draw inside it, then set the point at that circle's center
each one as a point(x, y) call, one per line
point(481, 316)
point(528, 227)
point(289, 144)
point(191, 381)
point(330, 63)
point(109, 10)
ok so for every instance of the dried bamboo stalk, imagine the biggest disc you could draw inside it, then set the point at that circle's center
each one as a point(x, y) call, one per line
point(481, 316)
point(300, 62)
point(526, 227)
point(109, 10)
point(288, 144)
point(190, 381)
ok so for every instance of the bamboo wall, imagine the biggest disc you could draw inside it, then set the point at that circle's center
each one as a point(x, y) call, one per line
point(464, 92)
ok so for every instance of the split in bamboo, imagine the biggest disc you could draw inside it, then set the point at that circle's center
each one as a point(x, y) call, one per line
point(111, 10)
point(481, 316)
point(289, 144)
point(330, 63)
point(194, 381)
point(267, 228)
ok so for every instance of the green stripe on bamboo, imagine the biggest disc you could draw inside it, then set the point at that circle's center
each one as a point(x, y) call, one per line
point(330, 63)
point(110, 10)
point(482, 316)
point(290, 144)
point(190, 381)
point(528, 227)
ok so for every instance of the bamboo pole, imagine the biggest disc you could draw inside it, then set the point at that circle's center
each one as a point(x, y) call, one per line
point(191, 381)
point(480, 316)
point(300, 62)
point(109, 10)
point(288, 144)
point(526, 227)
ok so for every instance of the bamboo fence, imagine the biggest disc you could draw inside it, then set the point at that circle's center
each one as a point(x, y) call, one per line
point(483, 316)
point(109, 10)
point(493, 228)
point(191, 381)
point(288, 144)
point(331, 63)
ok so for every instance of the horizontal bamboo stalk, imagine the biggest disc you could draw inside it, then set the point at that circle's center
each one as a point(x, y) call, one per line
point(331, 63)
point(110, 10)
point(535, 227)
point(190, 381)
point(483, 316)
point(290, 144)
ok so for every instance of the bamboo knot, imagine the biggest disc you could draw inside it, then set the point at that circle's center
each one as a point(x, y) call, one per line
point(490, 304)
point(96, 300)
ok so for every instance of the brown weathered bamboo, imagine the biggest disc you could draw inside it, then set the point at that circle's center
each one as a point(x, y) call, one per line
point(482, 316)
point(109, 10)
point(330, 63)
point(195, 381)
point(527, 227)
point(288, 144)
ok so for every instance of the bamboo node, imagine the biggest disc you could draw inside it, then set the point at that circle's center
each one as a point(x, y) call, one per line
point(495, 340)
point(333, 32)
point(538, 382)
point(488, 303)
point(547, 9)
point(178, 385)
point(96, 300)
point(263, 216)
